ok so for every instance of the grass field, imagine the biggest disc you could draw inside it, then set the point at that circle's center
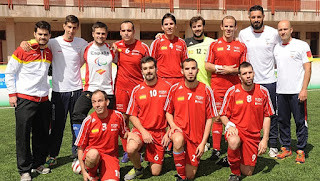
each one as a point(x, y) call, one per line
point(266, 168)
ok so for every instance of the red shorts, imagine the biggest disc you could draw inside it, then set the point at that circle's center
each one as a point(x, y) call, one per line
point(108, 166)
point(122, 99)
point(218, 97)
point(249, 147)
point(190, 149)
point(154, 153)
point(172, 81)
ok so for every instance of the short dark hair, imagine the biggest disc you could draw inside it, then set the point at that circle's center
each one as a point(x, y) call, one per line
point(256, 8)
point(103, 92)
point(148, 59)
point(229, 17)
point(127, 21)
point(244, 65)
point(195, 19)
point(99, 24)
point(42, 25)
point(169, 15)
point(189, 60)
point(71, 19)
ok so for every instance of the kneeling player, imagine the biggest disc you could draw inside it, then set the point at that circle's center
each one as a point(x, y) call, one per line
point(245, 111)
point(190, 108)
point(98, 140)
point(148, 118)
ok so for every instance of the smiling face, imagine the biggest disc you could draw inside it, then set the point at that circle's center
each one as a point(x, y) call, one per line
point(100, 36)
point(168, 26)
point(42, 36)
point(228, 27)
point(197, 29)
point(99, 103)
point(285, 30)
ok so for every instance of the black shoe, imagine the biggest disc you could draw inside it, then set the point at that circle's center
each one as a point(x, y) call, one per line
point(223, 162)
point(215, 155)
point(234, 177)
point(178, 178)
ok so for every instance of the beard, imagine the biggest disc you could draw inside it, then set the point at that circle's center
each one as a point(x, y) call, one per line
point(257, 27)
point(150, 77)
point(190, 80)
point(198, 36)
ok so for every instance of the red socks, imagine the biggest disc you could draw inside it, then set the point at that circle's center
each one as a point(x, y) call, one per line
point(234, 160)
point(216, 135)
point(180, 163)
point(124, 144)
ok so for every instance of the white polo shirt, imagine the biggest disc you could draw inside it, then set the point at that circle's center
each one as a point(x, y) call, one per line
point(290, 59)
point(260, 48)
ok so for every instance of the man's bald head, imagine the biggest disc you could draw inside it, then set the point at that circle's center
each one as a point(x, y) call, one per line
point(285, 30)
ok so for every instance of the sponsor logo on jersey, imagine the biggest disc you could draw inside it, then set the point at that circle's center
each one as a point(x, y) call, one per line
point(190, 51)
point(114, 125)
point(219, 41)
point(237, 90)
point(142, 87)
point(197, 101)
point(114, 129)
point(162, 92)
point(101, 71)
point(95, 130)
point(35, 54)
point(99, 53)
point(179, 46)
point(239, 101)
point(181, 98)
point(258, 101)
point(164, 48)
point(309, 55)
point(135, 52)
point(180, 87)
point(220, 49)
point(143, 96)
point(236, 48)
point(100, 61)
point(190, 43)
point(199, 97)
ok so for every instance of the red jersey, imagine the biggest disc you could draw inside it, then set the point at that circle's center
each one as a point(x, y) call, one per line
point(225, 53)
point(102, 134)
point(129, 71)
point(147, 103)
point(191, 108)
point(247, 109)
point(169, 55)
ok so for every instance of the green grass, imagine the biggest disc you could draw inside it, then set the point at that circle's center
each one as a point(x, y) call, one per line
point(266, 168)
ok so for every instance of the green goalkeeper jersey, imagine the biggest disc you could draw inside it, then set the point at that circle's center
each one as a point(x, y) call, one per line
point(197, 49)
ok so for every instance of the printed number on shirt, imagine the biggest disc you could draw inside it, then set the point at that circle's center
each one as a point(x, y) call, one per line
point(189, 96)
point(156, 158)
point(193, 158)
point(228, 47)
point(127, 51)
point(198, 51)
point(249, 98)
point(104, 126)
point(153, 93)
point(171, 45)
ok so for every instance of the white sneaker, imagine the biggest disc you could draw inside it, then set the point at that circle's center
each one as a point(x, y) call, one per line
point(273, 152)
point(41, 169)
point(25, 177)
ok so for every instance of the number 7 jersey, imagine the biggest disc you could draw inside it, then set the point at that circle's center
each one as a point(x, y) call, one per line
point(191, 108)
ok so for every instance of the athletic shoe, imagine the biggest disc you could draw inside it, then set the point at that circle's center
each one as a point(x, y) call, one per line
point(178, 178)
point(51, 161)
point(134, 173)
point(125, 158)
point(284, 153)
point(223, 162)
point(273, 152)
point(41, 169)
point(141, 158)
point(25, 177)
point(206, 147)
point(234, 177)
point(300, 157)
point(215, 155)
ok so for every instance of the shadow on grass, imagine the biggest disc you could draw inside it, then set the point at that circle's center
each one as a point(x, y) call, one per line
point(294, 148)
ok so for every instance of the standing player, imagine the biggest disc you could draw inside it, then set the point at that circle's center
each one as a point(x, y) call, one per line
point(223, 60)
point(294, 71)
point(198, 46)
point(169, 51)
point(189, 108)
point(148, 118)
point(129, 53)
point(245, 111)
point(98, 59)
point(260, 41)
point(27, 82)
point(98, 140)
point(66, 84)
